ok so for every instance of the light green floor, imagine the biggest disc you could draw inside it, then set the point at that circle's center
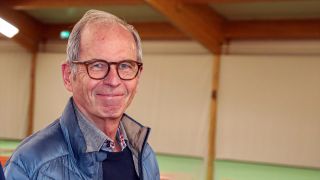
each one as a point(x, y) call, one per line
point(230, 170)
point(194, 168)
point(7, 146)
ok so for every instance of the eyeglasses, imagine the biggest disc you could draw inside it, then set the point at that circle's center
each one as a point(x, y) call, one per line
point(98, 69)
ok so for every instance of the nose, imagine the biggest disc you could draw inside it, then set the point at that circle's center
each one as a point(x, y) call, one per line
point(112, 78)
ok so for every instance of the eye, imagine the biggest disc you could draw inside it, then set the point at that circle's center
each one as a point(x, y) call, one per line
point(97, 66)
point(126, 65)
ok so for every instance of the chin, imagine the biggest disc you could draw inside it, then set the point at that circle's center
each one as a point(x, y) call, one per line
point(112, 113)
point(113, 116)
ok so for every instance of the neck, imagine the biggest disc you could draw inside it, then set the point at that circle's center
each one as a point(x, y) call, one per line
point(108, 126)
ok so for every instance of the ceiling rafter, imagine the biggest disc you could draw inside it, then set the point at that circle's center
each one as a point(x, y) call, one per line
point(29, 28)
point(36, 4)
point(259, 29)
point(276, 29)
point(231, 1)
point(159, 31)
point(199, 22)
point(147, 31)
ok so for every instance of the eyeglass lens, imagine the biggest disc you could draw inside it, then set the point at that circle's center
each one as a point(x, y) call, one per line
point(126, 69)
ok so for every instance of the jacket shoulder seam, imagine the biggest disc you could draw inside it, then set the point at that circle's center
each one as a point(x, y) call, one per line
point(46, 162)
point(19, 166)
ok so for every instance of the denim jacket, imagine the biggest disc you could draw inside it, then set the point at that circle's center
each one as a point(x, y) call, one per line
point(59, 152)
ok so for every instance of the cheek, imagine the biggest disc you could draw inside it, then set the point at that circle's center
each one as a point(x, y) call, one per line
point(84, 86)
point(131, 88)
point(91, 87)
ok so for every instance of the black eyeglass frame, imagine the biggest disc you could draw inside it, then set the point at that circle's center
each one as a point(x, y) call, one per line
point(88, 62)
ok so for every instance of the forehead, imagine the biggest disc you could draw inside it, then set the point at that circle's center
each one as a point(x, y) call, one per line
point(106, 39)
point(107, 29)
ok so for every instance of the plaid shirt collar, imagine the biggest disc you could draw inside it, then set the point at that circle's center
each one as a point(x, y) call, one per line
point(95, 139)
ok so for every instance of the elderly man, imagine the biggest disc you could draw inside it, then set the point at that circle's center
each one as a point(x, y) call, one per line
point(93, 139)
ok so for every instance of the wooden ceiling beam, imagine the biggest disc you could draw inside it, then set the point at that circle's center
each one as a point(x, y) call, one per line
point(52, 31)
point(29, 29)
point(147, 31)
point(199, 22)
point(288, 29)
point(36, 4)
point(231, 1)
point(276, 29)
point(159, 31)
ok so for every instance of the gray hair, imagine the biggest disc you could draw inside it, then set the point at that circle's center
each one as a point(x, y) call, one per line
point(73, 47)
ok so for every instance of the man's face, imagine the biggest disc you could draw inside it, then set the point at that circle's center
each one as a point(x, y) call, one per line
point(107, 98)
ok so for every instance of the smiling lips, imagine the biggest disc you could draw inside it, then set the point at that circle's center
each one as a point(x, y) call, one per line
point(111, 95)
point(111, 98)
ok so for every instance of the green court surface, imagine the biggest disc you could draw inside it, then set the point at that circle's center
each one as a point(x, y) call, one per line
point(7, 146)
point(233, 170)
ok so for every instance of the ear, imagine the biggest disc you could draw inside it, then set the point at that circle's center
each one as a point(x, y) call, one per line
point(67, 76)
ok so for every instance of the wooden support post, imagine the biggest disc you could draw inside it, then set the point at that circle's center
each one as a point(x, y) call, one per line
point(213, 119)
point(31, 94)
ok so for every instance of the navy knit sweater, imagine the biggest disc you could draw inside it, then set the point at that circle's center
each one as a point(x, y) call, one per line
point(119, 166)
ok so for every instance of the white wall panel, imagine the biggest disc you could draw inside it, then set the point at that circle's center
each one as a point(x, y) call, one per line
point(51, 96)
point(14, 93)
point(268, 109)
point(174, 99)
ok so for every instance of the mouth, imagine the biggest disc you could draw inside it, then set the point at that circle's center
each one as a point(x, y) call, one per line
point(110, 94)
point(111, 100)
